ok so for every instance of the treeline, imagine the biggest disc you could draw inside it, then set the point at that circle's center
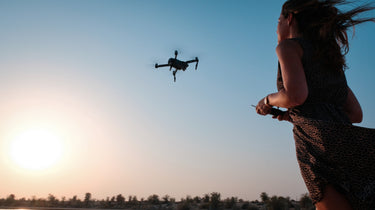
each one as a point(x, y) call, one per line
point(211, 201)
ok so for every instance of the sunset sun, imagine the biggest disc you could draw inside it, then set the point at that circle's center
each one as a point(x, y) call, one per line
point(36, 149)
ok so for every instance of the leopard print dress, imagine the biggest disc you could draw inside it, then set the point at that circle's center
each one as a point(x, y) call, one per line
point(330, 150)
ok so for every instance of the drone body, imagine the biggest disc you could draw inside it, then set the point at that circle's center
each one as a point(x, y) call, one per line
point(177, 64)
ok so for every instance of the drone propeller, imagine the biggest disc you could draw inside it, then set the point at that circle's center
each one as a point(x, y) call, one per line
point(196, 65)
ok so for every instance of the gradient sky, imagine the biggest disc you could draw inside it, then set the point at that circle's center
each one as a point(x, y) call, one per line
point(84, 69)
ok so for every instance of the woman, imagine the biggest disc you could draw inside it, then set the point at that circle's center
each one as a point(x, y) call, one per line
point(336, 159)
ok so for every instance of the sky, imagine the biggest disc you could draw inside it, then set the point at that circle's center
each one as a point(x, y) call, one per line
point(82, 72)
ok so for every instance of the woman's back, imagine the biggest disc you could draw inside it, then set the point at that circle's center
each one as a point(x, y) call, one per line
point(327, 89)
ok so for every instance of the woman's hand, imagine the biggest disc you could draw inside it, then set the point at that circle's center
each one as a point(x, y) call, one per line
point(262, 108)
point(284, 116)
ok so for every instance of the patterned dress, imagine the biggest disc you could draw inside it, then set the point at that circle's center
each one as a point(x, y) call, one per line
point(330, 150)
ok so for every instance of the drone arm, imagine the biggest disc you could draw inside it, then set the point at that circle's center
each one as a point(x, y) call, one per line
point(162, 65)
point(192, 61)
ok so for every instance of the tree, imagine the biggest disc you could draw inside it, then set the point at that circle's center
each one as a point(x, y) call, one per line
point(112, 202)
point(74, 202)
point(11, 200)
point(52, 201)
point(197, 199)
point(33, 201)
point(153, 199)
point(120, 200)
point(206, 198)
point(87, 200)
point(277, 203)
point(306, 202)
point(107, 203)
point(184, 205)
point(132, 200)
point(229, 203)
point(215, 201)
point(264, 197)
point(62, 201)
point(188, 199)
point(166, 199)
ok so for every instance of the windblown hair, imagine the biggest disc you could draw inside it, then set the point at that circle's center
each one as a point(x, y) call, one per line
point(320, 22)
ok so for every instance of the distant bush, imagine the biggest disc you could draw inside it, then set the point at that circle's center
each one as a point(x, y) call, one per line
point(204, 206)
point(306, 202)
point(210, 201)
point(278, 203)
point(215, 201)
point(184, 206)
point(230, 203)
point(252, 207)
point(153, 199)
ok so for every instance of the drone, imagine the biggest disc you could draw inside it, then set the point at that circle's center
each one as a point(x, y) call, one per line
point(177, 64)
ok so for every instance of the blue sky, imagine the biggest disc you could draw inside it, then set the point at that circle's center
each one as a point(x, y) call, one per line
point(86, 69)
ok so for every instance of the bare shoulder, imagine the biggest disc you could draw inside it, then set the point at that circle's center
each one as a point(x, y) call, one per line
point(289, 47)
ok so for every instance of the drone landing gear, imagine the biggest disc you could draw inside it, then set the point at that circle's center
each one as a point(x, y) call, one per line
point(174, 75)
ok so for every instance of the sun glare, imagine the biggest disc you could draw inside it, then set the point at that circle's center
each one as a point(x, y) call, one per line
point(36, 149)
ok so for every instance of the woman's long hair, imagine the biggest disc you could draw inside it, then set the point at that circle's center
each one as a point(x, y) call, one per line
point(326, 27)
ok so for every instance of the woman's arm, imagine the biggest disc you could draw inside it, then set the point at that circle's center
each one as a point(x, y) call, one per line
point(295, 89)
point(352, 108)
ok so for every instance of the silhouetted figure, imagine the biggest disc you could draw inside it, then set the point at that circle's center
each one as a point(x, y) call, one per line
point(337, 159)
